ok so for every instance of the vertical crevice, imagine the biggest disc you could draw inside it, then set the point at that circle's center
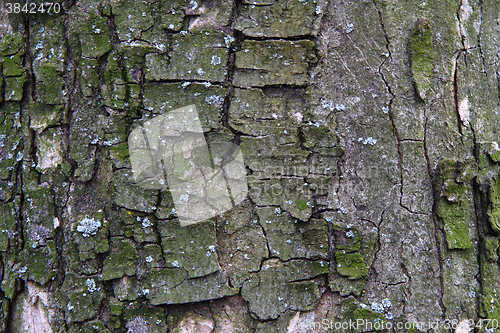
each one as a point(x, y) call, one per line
point(478, 203)
point(434, 222)
point(382, 25)
point(455, 91)
point(234, 46)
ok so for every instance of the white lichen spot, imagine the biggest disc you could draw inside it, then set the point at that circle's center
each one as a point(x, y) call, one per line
point(368, 141)
point(69, 306)
point(386, 303)
point(137, 324)
point(463, 111)
point(160, 47)
point(55, 222)
point(228, 40)
point(200, 71)
point(349, 28)
point(215, 60)
point(91, 287)
point(88, 226)
point(211, 248)
point(466, 10)
point(277, 211)
point(19, 156)
point(214, 99)
point(377, 307)
point(349, 234)
point(146, 223)
point(175, 263)
point(149, 259)
point(297, 117)
point(340, 107)
point(193, 4)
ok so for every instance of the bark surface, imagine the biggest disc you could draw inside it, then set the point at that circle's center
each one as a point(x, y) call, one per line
point(370, 133)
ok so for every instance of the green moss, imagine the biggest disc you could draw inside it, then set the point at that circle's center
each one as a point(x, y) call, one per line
point(447, 169)
point(483, 162)
point(351, 265)
point(494, 209)
point(14, 88)
point(11, 44)
point(467, 170)
point(95, 326)
point(455, 217)
point(191, 247)
point(120, 151)
point(120, 261)
point(115, 310)
point(320, 136)
point(301, 204)
point(491, 249)
point(13, 66)
point(495, 156)
point(80, 303)
point(89, 32)
point(43, 115)
point(354, 311)
point(348, 240)
point(489, 305)
point(52, 85)
point(421, 53)
point(453, 190)
point(277, 18)
point(7, 225)
point(114, 92)
point(453, 206)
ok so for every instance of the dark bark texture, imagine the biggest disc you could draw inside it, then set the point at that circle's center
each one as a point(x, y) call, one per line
point(370, 132)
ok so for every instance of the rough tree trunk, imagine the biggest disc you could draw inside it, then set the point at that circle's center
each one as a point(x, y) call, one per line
point(370, 132)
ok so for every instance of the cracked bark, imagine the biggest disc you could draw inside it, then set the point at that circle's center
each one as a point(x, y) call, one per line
point(355, 129)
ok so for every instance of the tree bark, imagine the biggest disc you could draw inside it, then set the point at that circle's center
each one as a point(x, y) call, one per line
point(370, 195)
